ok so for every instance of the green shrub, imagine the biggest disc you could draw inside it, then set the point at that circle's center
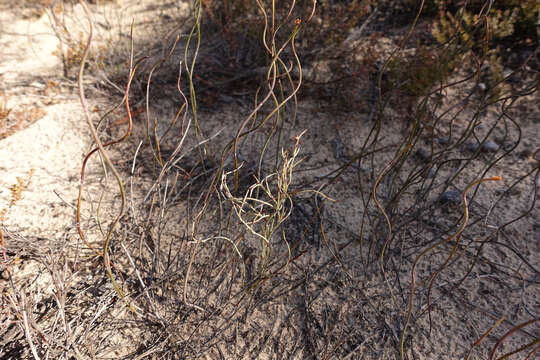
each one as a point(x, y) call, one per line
point(486, 31)
point(426, 69)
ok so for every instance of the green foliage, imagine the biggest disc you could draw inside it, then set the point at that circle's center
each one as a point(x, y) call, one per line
point(425, 69)
point(527, 22)
point(484, 30)
point(469, 29)
point(496, 84)
point(524, 12)
point(506, 19)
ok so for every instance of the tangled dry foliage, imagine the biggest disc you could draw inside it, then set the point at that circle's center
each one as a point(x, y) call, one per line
point(293, 180)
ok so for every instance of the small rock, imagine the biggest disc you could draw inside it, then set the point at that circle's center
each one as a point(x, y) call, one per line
point(38, 85)
point(490, 146)
point(472, 147)
point(482, 87)
point(511, 75)
point(443, 140)
point(451, 196)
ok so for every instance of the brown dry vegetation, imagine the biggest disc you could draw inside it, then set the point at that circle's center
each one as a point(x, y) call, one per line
point(258, 179)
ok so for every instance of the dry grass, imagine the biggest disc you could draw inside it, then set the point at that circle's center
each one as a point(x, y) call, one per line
point(228, 234)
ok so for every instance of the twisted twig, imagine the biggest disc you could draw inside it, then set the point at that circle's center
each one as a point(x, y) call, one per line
point(457, 235)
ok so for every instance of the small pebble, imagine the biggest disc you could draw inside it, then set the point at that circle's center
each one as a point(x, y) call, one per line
point(511, 75)
point(472, 147)
point(490, 146)
point(482, 87)
point(443, 140)
point(451, 196)
point(38, 85)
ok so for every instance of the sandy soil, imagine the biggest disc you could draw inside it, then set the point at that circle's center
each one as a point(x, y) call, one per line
point(331, 302)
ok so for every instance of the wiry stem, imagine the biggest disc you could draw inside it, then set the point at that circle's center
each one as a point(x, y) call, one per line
point(103, 153)
point(457, 234)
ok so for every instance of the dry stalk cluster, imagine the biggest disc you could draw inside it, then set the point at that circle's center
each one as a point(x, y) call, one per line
point(369, 237)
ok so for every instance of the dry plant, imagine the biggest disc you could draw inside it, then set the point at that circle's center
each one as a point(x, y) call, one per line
point(4, 109)
point(14, 305)
point(265, 206)
point(4, 113)
point(224, 244)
